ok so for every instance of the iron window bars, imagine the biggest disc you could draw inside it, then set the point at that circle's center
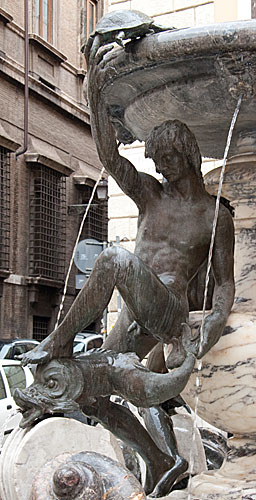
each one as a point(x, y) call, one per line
point(96, 223)
point(4, 208)
point(48, 223)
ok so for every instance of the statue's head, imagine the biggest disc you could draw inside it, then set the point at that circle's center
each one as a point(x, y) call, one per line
point(174, 135)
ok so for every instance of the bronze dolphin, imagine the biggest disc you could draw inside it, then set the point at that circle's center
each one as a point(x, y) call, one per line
point(64, 385)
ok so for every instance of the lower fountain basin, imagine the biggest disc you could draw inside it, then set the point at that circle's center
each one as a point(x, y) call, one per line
point(195, 75)
point(227, 395)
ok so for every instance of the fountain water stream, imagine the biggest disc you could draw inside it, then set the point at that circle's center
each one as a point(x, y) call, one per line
point(214, 225)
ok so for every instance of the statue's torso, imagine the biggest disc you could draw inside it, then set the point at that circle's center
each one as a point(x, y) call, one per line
point(174, 236)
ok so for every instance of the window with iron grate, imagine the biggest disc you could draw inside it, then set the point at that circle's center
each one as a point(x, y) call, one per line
point(47, 223)
point(4, 208)
point(40, 327)
point(96, 223)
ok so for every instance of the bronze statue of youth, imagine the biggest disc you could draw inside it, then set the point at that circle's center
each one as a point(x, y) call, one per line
point(172, 243)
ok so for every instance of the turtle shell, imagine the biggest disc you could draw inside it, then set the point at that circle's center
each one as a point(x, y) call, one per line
point(122, 20)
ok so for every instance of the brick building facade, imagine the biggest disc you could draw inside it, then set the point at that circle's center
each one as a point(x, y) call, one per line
point(59, 166)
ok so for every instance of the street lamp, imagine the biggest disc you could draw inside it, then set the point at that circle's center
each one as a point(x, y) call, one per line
point(102, 189)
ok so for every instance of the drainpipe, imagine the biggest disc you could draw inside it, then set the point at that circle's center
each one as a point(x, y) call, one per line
point(26, 61)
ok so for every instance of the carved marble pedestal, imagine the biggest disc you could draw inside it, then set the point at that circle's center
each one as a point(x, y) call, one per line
point(227, 400)
point(227, 392)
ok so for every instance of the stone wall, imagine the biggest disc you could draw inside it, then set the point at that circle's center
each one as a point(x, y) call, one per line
point(59, 136)
point(178, 13)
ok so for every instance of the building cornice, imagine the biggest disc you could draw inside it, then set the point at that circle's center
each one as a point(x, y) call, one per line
point(15, 71)
point(6, 141)
point(38, 41)
point(5, 17)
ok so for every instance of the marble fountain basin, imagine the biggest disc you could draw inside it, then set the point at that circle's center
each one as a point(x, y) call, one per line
point(194, 75)
point(227, 393)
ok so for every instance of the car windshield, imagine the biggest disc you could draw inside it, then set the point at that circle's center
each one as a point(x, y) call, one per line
point(16, 377)
point(2, 388)
point(78, 346)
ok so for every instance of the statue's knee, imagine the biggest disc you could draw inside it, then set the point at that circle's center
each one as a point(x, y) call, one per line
point(117, 256)
point(109, 253)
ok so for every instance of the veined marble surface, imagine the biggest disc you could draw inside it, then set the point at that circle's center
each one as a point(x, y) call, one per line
point(227, 396)
point(227, 400)
point(235, 480)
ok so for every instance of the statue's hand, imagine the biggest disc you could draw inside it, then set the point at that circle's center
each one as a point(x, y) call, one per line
point(99, 58)
point(97, 65)
point(212, 331)
point(190, 339)
point(102, 128)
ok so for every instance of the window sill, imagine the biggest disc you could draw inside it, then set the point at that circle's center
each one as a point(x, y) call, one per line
point(5, 17)
point(39, 42)
point(6, 141)
point(4, 273)
point(38, 280)
point(49, 160)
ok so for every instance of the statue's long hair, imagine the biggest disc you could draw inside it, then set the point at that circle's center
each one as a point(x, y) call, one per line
point(178, 135)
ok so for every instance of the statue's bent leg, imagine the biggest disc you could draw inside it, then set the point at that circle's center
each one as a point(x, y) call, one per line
point(127, 427)
point(145, 295)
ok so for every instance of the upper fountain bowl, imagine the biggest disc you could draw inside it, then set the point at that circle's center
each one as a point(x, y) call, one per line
point(195, 75)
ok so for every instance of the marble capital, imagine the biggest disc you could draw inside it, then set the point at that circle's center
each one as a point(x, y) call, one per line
point(239, 180)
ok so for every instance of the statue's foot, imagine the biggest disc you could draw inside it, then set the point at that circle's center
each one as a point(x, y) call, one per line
point(177, 356)
point(155, 472)
point(39, 355)
point(164, 485)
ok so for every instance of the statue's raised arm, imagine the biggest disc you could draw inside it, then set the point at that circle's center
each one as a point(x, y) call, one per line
point(121, 169)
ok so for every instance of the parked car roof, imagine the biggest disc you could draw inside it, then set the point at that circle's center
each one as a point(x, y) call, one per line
point(9, 348)
point(85, 343)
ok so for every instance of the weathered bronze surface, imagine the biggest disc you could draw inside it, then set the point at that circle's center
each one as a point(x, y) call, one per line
point(118, 26)
point(172, 244)
point(60, 383)
point(174, 231)
point(194, 75)
point(64, 385)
